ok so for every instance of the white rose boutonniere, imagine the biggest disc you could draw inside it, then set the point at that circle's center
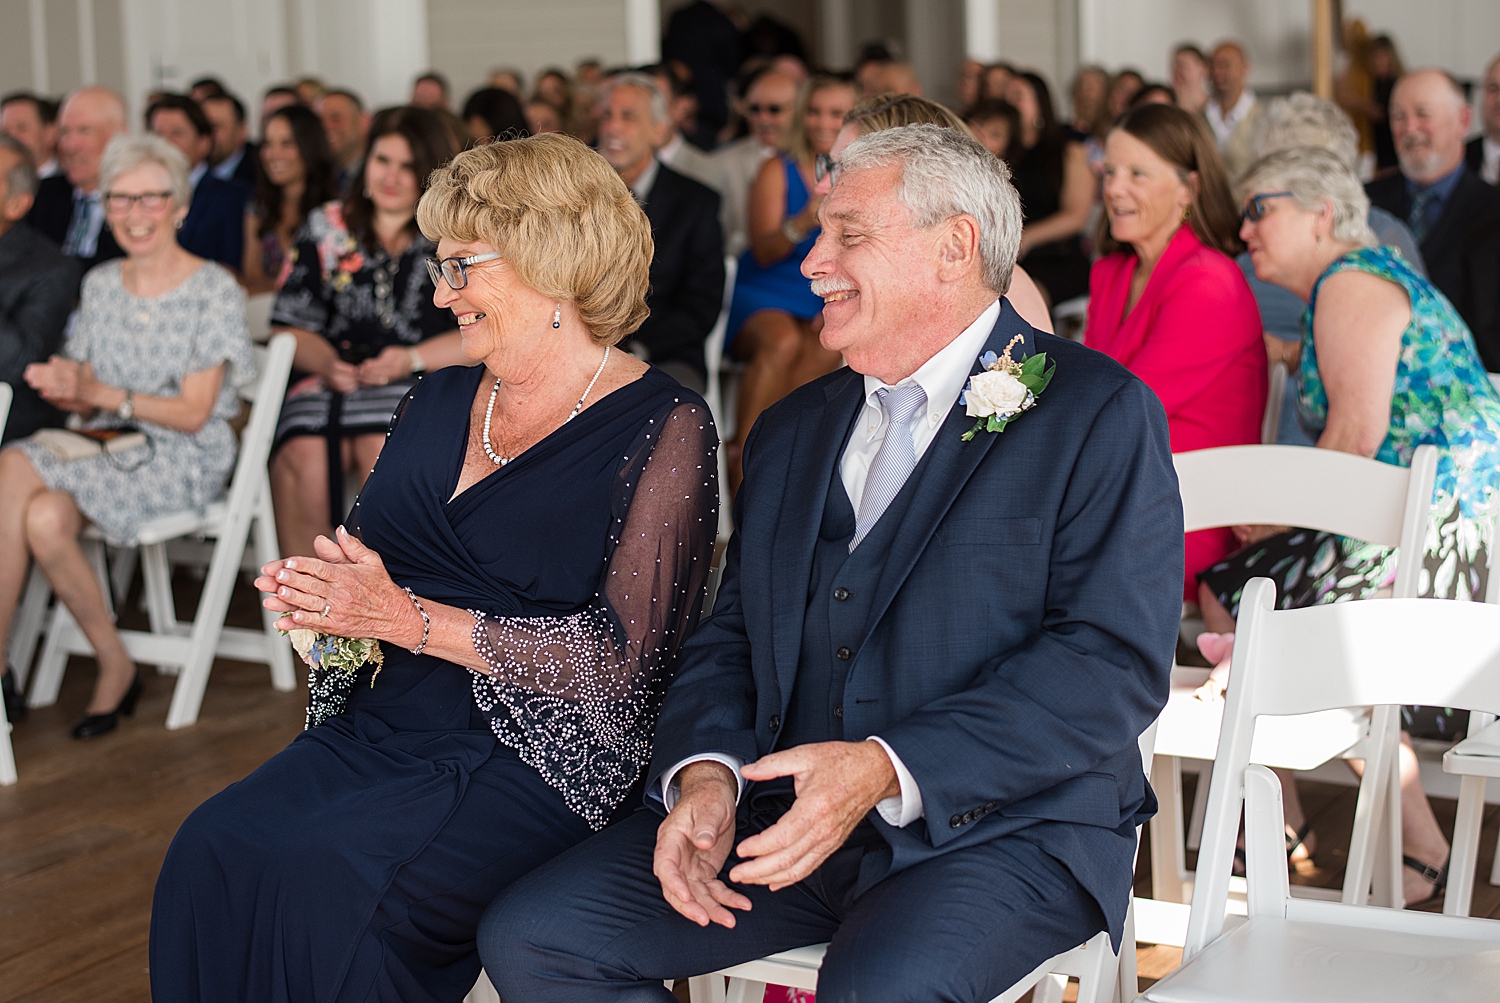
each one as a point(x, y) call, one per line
point(1004, 389)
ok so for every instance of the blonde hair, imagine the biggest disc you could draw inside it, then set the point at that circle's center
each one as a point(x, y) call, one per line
point(798, 142)
point(895, 110)
point(559, 215)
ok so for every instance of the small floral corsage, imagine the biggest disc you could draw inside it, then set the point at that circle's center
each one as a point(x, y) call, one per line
point(1004, 389)
point(340, 654)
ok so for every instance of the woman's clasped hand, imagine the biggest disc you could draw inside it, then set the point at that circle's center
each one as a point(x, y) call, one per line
point(347, 580)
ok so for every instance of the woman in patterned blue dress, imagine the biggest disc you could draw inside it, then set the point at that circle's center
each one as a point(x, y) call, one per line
point(1387, 366)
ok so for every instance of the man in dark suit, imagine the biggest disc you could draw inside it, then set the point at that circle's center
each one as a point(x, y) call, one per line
point(67, 209)
point(687, 268)
point(932, 654)
point(703, 38)
point(1454, 215)
point(233, 156)
point(1482, 154)
point(38, 287)
point(215, 223)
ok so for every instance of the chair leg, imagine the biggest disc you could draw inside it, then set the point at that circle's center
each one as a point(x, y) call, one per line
point(1127, 980)
point(1168, 858)
point(745, 991)
point(121, 571)
point(157, 576)
point(63, 638)
point(1049, 989)
point(706, 989)
point(7, 754)
point(1371, 806)
point(278, 648)
point(1096, 984)
point(26, 630)
point(1464, 860)
point(208, 624)
point(1200, 810)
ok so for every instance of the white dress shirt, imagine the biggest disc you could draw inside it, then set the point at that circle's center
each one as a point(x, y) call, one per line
point(226, 167)
point(942, 378)
point(1223, 124)
point(1489, 167)
point(642, 185)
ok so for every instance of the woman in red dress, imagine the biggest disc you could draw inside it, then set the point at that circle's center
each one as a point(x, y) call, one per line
point(1166, 299)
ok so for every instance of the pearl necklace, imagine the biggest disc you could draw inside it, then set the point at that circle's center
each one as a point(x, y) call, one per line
point(489, 411)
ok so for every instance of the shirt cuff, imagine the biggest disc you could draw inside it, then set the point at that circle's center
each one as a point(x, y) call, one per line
point(671, 790)
point(906, 807)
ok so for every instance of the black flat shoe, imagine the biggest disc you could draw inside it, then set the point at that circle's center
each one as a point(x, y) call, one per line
point(15, 700)
point(91, 725)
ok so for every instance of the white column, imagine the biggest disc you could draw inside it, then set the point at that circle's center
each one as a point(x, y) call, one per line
point(838, 33)
point(88, 63)
point(41, 81)
point(642, 32)
point(398, 50)
point(982, 30)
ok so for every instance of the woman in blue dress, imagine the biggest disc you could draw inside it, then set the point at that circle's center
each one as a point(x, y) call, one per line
point(530, 553)
point(770, 325)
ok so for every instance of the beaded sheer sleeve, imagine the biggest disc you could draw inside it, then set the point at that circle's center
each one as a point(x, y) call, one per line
point(577, 696)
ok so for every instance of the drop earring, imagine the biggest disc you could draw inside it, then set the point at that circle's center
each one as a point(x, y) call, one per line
point(557, 317)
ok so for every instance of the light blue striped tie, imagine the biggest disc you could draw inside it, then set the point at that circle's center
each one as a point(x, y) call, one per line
point(895, 458)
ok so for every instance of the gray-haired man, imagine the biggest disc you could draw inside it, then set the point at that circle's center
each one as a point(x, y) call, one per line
point(909, 727)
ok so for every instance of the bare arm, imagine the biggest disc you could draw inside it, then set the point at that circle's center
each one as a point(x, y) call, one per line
point(252, 273)
point(767, 213)
point(71, 385)
point(316, 354)
point(1074, 205)
point(1357, 331)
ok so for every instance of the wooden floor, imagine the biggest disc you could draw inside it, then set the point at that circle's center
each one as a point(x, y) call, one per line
point(84, 832)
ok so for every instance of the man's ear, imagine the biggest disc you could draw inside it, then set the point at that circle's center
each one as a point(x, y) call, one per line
point(16, 207)
point(958, 247)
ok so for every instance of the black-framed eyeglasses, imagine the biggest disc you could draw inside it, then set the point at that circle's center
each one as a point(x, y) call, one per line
point(1255, 208)
point(824, 166)
point(455, 271)
point(120, 203)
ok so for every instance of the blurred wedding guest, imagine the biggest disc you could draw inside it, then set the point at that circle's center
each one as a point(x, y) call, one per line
point(296, 177)
point(33, 121)
point(896, 110)
point(687, 262)
point(430, 91)
point(1090, 104)
point(1233, 111)
point(1364, 91)
point(233, 156)
point(996, 81)
point(541, 117)
point(310, 90)
point(1057, 193)
point(553, 87)
point(158, 345)
point(868, 72)
point(1482, 153)
point(1387, 365)
point(215, 224)
point(359, 299)
point(278, 97)
point(996, 124)
point(1167, 242)
point(770, 104)
point(1454, 215)
point(589, 72)
point(899, 78)
point(38, 287)
point(203, 88)
point(770, 317)
point(970, 76)
point(516, 718)
point(1190, 78)
point(67, 209)
point(1303, 120)
point(1154, 94)
point(674, 150)
point(347, 125)
point(1121, 89)
point(701, 36)
point(508, 78)
point(493, 112)
point(791, 66)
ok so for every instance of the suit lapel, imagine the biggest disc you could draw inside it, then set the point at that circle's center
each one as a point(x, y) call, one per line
point(817, 447)
point(949, 463)
point(1447, 231)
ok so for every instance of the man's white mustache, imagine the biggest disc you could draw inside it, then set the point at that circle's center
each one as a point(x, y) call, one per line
point(827, 287)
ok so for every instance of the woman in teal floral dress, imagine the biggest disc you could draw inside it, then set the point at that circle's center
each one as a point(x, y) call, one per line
point(1387, 365)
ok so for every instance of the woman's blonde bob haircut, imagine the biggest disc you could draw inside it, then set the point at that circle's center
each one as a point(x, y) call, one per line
point(559, 215)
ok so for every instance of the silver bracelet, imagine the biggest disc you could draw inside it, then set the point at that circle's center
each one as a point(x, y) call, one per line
point(482, 646)
point(426, 620)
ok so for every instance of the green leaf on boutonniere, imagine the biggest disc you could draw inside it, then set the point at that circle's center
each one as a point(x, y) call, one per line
point(996, 423)
point(1034, 364)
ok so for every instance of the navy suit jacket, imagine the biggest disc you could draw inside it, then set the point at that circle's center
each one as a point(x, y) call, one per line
point(215, 223)
point(687, 269)
point(1022, 634)
point(52, 214)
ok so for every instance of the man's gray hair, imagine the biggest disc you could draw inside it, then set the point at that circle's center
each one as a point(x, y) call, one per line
point(944, 174)
point(21, 179)
point(1314, 175)
point(659, 112)
point(126, 153)
point(1301, 119)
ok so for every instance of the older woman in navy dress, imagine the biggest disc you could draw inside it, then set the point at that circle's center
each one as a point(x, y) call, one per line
point(530, 552)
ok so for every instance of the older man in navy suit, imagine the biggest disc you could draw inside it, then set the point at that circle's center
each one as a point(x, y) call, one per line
point(909, 727)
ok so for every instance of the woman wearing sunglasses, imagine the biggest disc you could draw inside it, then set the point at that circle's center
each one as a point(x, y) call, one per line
point(1166, 298)
point(530, 553)
point(359, 300)
point(158, 346)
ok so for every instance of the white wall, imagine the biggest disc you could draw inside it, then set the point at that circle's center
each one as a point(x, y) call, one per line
point(375, 48)
point(1459, 35)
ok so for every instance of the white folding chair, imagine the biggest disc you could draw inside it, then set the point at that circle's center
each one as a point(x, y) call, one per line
point(1401, 651)
point(1270, 422)
point(7, 754)
point(713, 358)
point(1103, 976)
point(258, 316)
point(1318, 489)
point(244, 516)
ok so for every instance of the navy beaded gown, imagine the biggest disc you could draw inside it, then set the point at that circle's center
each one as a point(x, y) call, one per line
point(355, 864)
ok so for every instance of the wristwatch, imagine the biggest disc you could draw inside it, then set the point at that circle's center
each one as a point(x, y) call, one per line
point(417, 365)
point(126, 410)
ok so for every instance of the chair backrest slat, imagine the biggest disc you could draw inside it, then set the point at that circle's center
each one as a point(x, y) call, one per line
point(255, 443)
point(6, 393)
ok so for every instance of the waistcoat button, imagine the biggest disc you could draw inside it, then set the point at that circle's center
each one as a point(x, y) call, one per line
point(844, 654)
point(841, 593)
point(774, 724)
point(838, 712)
